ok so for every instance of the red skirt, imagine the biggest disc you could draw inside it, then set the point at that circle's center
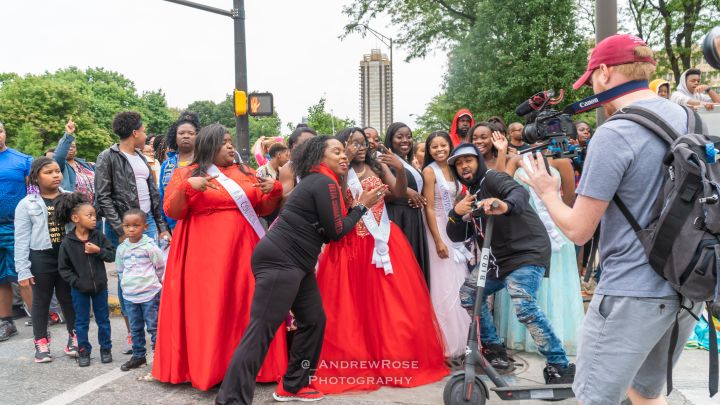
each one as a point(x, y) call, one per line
point(205, 302)
point(381, 329)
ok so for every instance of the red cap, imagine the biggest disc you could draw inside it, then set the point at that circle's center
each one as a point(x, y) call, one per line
point(618, 49)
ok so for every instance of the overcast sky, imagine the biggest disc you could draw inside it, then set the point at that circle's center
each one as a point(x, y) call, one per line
point(293, 50)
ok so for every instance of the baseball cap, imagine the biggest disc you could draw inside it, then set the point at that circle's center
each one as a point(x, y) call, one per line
point(465, 149)
point(618, 49)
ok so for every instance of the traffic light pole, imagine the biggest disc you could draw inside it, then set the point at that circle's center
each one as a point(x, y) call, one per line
point(605, 26)
point(242, 124)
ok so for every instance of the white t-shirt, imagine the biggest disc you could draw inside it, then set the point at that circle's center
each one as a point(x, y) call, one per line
point(142, 172)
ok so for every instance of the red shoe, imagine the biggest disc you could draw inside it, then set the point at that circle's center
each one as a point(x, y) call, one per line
point(306, 394)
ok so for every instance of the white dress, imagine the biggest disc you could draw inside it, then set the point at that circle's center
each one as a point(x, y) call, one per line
point(446, 278)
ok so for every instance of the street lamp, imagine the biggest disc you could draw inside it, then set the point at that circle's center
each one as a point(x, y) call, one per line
point(237, 13)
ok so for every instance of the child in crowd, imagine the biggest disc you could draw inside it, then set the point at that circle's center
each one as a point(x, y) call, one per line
point(81, 264)
point(140, 267)
point(38, 236)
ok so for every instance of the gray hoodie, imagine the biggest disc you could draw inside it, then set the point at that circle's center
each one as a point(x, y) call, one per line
point(681, 95)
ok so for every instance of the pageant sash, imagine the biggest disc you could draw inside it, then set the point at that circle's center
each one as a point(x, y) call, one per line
point(241, 199)
point(380, 232)
point(460, 253)
point(415, 173)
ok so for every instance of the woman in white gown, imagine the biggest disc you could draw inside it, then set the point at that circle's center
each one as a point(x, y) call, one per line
point(448, 260)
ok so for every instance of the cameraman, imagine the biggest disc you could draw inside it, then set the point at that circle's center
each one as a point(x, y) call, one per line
point(626, 333)
point(521, 250)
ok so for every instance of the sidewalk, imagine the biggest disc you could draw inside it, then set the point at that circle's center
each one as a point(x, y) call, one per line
point(690, 381)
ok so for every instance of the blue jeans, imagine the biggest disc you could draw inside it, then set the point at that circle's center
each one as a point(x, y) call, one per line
point(143, 315)
point(152, 232)
point(81, 304)
point(522, 285)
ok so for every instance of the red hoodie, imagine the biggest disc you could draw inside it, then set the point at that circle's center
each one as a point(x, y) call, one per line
point(453, 128)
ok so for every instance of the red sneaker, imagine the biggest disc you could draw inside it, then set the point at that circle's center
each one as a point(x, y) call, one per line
point(306, 394)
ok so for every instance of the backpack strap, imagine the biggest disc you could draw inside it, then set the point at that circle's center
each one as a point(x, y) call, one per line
point(649, 120)
point(713, 382)
point(626, 213)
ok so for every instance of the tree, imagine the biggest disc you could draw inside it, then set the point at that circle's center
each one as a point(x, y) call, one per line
point(674, 26)
point(515, 49)
point(36, 107)
point(424, 25)
point(325, 123)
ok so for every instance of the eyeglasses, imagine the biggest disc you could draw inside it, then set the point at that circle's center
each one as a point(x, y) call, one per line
point(359, 145)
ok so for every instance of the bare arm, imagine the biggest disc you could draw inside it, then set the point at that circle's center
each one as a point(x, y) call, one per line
point(429, 194)
point(567, 179)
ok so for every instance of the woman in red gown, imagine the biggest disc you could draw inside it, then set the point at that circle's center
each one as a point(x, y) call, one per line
point(208, 285)
point(381, 327)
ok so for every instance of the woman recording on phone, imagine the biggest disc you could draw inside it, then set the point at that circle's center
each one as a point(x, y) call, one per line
point(284, 267)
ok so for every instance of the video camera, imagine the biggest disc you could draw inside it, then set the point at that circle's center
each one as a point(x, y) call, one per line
point(550, 127)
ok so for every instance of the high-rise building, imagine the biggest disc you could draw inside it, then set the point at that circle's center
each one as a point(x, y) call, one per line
point(376, 91)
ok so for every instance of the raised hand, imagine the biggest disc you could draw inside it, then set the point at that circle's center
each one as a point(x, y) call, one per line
point(201, 183)
point(70, 127)
point(499, 141)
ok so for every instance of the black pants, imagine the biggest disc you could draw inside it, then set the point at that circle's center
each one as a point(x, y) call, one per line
point(45, 284)
point(280, 285)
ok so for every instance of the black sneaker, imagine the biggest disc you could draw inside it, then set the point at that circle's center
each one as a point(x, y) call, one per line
point(557, 374)
point(42, 351)
point(7, 329)
point(83, 358)
point(497, 356)
point(71, 349)
point(134, 362)
point(106, 355)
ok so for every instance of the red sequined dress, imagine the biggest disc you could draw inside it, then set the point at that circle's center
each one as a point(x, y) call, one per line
point(381, 329)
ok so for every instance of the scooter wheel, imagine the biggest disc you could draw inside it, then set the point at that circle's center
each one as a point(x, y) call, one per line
point(454, 395)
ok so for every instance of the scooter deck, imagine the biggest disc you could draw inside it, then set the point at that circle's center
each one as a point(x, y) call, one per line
point(520, 392)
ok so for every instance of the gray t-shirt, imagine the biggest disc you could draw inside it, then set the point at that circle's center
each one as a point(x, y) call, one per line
point(625, 158)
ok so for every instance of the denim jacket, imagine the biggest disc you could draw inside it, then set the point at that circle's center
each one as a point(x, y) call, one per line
point(61, 152)
point(31, 232)
point(166, 171)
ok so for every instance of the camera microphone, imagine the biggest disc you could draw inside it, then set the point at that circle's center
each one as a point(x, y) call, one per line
point(531, 104)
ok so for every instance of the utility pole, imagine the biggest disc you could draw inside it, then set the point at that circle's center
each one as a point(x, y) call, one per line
point(237, 13)
point(605, 26)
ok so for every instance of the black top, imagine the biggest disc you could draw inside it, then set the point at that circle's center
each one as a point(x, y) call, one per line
point(84, 272)
point(45, 261)
point(519, 237)
point(310, 218)
point(411, 184)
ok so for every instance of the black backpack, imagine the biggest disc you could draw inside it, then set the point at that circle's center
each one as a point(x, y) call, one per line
point(682, 239)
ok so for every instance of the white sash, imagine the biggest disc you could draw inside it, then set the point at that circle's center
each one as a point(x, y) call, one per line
point(240, 198)
point(380, 232)
point(460, 252)
point(415, 173)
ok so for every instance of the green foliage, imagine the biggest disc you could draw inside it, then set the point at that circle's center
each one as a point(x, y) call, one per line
point(424, 25)
point(212, 113)
point(325, 123)
point(515, 49)
point(36, 107)
point(673, 26)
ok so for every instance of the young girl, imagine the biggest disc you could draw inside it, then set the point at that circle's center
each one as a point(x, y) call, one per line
point(81, 264)
point(37, 243)
point(492, 144)
point(448, 260)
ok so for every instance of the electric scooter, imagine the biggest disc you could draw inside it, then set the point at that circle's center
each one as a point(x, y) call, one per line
point(465, 386)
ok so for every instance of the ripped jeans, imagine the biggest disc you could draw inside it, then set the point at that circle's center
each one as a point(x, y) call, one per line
point(522, 285)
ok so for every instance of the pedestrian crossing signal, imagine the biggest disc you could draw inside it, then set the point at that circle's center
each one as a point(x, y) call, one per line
point(261, 104)
point(240, 103)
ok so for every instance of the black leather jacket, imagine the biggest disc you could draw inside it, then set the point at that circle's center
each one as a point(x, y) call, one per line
point(116, 191)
